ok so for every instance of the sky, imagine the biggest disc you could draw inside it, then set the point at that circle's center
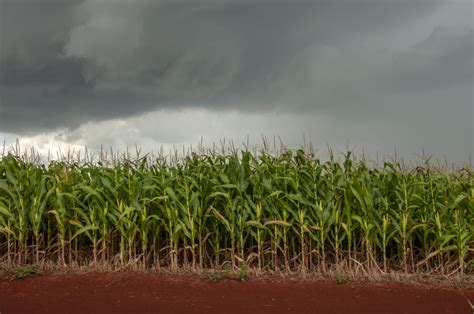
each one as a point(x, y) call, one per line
point(373, 75)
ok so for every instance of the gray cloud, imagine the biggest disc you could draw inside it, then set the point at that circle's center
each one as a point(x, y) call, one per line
point(64, 63)
point(444, 59)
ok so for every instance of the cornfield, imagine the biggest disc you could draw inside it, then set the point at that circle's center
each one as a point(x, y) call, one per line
point(287, 212)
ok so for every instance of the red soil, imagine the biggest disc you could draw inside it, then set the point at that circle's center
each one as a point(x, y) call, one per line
point(148, 292)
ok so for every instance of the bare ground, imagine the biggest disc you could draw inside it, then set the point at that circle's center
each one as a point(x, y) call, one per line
point(135, 292)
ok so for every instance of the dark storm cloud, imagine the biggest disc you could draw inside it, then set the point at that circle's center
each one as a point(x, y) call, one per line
point(67, 62)
point(442, 60)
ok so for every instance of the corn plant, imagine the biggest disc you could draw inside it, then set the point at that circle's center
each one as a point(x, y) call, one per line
point(287, 211)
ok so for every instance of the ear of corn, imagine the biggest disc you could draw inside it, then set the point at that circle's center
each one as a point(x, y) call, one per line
point(288, 212)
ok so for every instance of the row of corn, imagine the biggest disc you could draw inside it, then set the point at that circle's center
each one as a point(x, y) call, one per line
point(285, 212)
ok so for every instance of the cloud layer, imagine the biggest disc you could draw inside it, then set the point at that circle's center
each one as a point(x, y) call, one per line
point(70, 64)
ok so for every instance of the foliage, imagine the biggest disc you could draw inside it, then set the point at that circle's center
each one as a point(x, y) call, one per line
point(340, 280)
point(281, 212)
point(20, 272)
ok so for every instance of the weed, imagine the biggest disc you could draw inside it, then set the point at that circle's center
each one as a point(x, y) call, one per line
point(217, 275)
point(340, 280)
point(244, 272)
point(24, 271)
